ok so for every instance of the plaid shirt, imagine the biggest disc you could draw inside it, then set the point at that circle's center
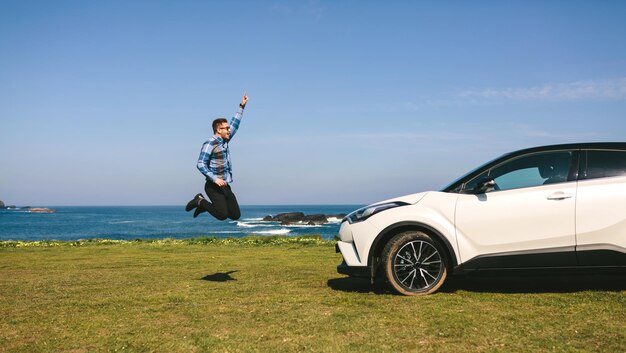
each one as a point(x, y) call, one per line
point(214, 160)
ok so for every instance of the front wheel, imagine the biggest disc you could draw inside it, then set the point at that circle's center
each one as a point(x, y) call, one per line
point(414, 263)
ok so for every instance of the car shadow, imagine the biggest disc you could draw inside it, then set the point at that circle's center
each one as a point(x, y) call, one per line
point(220, 277)
point(501, 282)
point(358, 285)
point(529, 283)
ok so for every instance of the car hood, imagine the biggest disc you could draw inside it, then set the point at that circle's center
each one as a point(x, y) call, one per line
point(410, 199)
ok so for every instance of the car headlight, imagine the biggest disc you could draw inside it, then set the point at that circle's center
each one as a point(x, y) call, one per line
point(364, 213)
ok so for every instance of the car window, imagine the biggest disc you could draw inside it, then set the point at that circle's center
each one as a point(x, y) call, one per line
point(520, 178)
point(603, 164)
point(526, 171)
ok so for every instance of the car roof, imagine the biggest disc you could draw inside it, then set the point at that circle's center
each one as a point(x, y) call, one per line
point(573, 146)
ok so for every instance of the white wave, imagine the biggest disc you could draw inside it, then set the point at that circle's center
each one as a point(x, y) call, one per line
point(121, 222)
point(334, 220)
point(252, 225)
point(273, 232)
point(304, 225)
point(245, 225)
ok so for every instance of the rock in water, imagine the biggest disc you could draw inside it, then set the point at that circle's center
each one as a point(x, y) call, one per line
point(291, 217)
point(299, 217)
point(41, 210)
point(316, 219)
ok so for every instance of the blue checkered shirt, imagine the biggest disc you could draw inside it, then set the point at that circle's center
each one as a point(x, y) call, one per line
point(214, 160)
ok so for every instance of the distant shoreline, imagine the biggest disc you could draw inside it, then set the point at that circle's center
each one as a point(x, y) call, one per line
point(29, 209)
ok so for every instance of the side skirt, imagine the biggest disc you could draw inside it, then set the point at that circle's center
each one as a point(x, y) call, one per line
point(556, 257)
point(604, 255)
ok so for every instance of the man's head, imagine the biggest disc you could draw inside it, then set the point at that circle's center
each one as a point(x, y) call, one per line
point(221, 128)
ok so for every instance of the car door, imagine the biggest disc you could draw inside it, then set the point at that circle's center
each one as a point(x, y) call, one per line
point(528, 220)
point(601, 208)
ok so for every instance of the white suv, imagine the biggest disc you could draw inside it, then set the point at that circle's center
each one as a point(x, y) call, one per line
point(543, 207)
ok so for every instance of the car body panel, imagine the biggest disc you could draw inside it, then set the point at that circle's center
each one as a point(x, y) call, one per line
point(604, 230)
point(498, 222)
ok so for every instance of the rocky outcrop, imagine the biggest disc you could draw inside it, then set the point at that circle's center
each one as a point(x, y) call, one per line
point(41, 210)
point(289, 217)
point(300, 218)
point(6, 207)
point(26, 208)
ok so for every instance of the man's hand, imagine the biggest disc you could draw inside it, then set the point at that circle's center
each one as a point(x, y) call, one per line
point(244, 100)
point(220, 182)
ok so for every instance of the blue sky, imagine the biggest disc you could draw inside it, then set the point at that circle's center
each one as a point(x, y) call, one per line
point(351, 102)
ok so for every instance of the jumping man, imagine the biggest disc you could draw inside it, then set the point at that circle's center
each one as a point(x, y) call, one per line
point(214, 163)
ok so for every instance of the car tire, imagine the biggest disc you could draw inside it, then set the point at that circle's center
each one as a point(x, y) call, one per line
point(414, 263)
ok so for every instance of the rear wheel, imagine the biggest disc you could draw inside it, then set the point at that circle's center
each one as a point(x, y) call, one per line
point(414, 263)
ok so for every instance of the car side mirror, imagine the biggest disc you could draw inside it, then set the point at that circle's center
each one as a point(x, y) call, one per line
point(485, 184)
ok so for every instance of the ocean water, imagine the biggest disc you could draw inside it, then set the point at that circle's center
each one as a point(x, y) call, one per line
point(150, 222)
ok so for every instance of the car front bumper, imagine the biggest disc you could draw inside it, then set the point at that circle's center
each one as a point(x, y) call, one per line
point(351, 264)
point(353, 271)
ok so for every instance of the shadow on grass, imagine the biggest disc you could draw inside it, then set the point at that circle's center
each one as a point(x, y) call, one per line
point(358, 285)
point(503, 282)
point(528, 282)
point(220, 277)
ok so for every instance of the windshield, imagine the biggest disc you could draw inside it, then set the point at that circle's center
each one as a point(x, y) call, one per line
point(453, 186)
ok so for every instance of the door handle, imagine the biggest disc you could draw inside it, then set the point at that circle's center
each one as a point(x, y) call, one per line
point(559, 195)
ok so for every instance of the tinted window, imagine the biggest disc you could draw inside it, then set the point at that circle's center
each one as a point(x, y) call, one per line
point(602, 164)
point(530, 170)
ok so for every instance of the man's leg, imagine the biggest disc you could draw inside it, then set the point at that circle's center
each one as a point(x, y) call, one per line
point(217, 207)
point(231, 203)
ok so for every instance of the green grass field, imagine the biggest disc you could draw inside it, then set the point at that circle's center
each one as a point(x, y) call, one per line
point(284, 296)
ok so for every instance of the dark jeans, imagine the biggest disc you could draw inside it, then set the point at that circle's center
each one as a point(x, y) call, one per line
point(223, 202)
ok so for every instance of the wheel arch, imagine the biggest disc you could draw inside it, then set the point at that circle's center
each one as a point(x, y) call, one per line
point(386, 234)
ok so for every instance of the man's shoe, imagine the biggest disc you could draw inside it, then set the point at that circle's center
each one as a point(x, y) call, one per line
point(199, 210)
point(193, 203)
